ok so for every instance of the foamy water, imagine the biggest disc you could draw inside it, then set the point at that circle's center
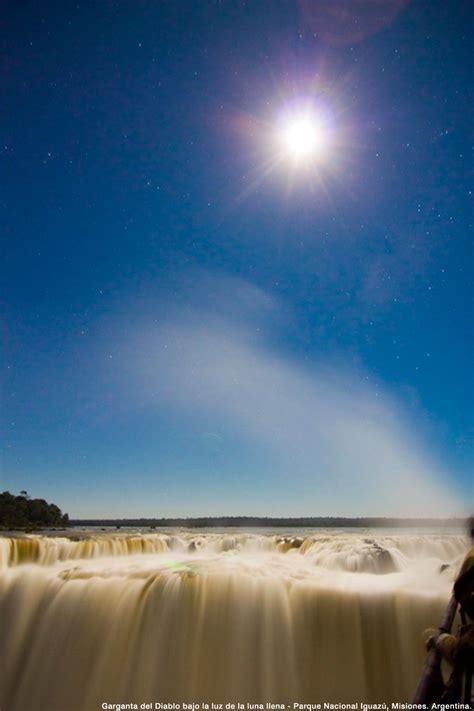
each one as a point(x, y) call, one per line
point(332, 616)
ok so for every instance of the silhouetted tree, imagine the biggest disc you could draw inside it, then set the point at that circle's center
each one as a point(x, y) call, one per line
point(23, 512)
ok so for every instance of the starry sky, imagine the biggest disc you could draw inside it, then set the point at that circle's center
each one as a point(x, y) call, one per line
point(192, 324)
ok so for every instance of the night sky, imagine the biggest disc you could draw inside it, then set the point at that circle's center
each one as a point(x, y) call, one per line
point(195, 323)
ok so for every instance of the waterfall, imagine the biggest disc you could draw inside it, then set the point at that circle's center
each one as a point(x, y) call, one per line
point(218, 617)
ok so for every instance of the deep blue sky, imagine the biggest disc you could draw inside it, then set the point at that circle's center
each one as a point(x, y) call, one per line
point(188, 333)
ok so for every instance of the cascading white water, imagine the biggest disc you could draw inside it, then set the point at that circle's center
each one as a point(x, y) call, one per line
point(217, 617)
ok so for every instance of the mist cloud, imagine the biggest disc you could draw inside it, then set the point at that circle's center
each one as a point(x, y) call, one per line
point(214, 356)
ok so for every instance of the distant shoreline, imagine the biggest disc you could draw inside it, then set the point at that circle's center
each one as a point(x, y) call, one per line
point(273, 522)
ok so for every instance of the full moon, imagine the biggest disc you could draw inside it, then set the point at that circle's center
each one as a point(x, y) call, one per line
point(302, 137)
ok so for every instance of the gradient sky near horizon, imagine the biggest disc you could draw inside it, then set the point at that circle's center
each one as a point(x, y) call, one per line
point(192, 324)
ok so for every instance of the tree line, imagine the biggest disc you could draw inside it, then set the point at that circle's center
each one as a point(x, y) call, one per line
point(271, 522)
point(24, 512)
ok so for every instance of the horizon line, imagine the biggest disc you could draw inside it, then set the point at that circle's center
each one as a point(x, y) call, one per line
point(165, 519)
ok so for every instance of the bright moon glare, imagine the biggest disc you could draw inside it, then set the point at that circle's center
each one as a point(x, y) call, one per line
point(302, 137)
